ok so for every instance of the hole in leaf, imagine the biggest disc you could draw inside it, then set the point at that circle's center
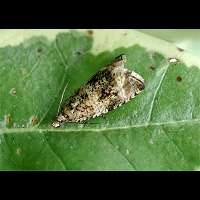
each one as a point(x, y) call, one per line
point(173, 60)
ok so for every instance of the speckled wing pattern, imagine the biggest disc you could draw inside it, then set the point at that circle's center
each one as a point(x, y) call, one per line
point(108, 89)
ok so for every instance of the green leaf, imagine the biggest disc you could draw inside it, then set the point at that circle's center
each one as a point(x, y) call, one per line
point(158, 130)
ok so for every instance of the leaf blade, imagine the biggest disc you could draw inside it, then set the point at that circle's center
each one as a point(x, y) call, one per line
point(148, 133)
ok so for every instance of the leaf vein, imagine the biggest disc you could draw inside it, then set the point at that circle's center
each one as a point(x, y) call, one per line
point(177, 147)
point(131, 163)
point(34, 129)
point(62, 82)
point(156, 92)
point(59, 158)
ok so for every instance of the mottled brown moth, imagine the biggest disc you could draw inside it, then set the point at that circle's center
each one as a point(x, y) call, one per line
point(108, 89)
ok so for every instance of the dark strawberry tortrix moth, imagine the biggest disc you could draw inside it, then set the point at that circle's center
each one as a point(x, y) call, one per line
point(108, 89)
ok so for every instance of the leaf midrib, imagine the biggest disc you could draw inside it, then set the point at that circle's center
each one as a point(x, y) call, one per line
point(64, 130)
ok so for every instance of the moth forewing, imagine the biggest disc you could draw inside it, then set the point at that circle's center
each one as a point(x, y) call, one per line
point(105, 91)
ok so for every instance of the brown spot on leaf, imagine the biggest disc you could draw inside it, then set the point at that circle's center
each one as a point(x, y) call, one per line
point(78, 52)
point(180, 49)
point(178, 78)
point(39, 50)
point(125, 34)
point(90, 33)
point(34, 120)
point(8, 119)
point(152, 67)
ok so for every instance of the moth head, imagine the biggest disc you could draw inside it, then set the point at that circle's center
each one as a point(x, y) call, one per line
point(120, 60)
point(140, 86)
point(137, 82)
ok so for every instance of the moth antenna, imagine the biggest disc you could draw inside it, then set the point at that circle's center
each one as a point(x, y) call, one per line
point(61, 99)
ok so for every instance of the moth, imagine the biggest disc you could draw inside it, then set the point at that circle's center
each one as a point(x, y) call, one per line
point(108, 89)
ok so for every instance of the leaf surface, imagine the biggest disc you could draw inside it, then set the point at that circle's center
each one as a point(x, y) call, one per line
point(158, 130)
